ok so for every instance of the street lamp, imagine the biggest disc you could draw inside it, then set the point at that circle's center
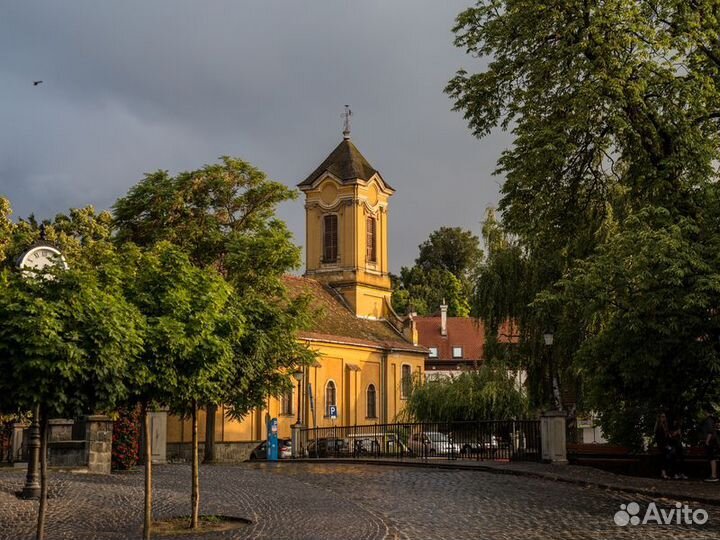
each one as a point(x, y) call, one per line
point(298, 375)
point(549, 339)
point(38, 257)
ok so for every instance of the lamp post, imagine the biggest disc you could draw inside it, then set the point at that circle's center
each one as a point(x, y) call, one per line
point(298, 376)
point(549, 339)
point(40, 256)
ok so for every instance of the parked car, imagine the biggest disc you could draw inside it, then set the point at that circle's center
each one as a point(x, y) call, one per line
point(284, 450)
point(377, 443)
point(328, 447)
point(432, 443)
point(484, 445)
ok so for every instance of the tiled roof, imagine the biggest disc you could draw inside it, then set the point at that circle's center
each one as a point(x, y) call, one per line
point(332, 321)
point(345, 162)
point(464, 332)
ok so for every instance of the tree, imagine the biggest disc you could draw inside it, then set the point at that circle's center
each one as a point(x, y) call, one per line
point(423, 291)
point(443, 271)
point(453, 249)
point(223, 216)
point(614, 108)
point(6, 226)
point(487, 393)
point(67, 342)
point(189, 352)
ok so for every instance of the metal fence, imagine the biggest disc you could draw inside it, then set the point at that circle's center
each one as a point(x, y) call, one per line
point(504, 440)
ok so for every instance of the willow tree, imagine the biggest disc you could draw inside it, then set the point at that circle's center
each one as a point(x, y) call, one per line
point(614, 108)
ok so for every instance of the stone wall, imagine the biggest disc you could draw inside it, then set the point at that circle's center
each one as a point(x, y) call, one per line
point(225, 452)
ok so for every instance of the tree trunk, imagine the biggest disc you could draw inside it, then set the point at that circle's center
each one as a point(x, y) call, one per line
point(209, 456)
point(195, 499)
point(147, 457)
point(43, 475)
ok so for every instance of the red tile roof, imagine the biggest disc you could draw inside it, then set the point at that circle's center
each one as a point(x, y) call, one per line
point(465, 332)
point(333, 321)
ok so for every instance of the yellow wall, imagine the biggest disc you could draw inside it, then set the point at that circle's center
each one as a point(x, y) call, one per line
point(335, 362)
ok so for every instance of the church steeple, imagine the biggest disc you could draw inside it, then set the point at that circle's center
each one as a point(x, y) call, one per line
point(346, 202)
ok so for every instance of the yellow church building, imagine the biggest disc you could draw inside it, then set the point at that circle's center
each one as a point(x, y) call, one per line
point(367, 355)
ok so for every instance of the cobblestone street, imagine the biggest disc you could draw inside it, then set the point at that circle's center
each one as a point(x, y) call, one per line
point(338, 501)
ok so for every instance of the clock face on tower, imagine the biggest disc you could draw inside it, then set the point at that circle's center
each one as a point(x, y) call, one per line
point(40, 257)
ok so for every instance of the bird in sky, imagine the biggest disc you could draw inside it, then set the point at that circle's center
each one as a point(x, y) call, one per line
point(35, 83)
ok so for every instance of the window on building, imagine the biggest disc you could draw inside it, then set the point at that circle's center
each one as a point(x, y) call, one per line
point(371, 402)
point(371, 244)
point(433, 352)
point(406, 381)
point(286, 403)
point(330, 396)
point(330, 238)
point(457, 352)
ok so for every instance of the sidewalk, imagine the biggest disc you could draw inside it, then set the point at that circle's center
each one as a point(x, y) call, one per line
point(682, 490)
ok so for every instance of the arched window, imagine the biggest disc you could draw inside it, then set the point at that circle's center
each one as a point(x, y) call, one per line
point(330, 238)
point(371, 239)
point(371, 401)
point(286, 403)
point(330, 396)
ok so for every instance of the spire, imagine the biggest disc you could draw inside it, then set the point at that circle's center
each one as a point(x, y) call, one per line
point(346, 122)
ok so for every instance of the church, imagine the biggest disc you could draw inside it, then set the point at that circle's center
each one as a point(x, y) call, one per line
point(367, 354)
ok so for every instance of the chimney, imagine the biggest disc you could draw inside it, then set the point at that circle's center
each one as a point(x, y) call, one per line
point(443, 318)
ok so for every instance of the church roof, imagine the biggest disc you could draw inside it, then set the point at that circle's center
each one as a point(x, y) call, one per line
point(332, 320)
point(346, 163)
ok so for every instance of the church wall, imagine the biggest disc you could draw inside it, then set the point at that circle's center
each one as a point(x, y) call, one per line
point(352, 368)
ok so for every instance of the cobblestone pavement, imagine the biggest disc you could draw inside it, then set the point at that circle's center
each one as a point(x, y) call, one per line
point(339, 501)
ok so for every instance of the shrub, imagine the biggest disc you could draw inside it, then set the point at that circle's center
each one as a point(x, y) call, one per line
point(126, 439)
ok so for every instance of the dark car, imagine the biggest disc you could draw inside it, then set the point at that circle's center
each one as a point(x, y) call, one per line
point(284, 450)
point(328, 447)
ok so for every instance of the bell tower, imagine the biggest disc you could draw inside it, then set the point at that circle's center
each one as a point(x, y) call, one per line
point(346, 224)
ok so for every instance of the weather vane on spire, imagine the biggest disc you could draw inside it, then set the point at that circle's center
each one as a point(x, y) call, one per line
point(346, 122)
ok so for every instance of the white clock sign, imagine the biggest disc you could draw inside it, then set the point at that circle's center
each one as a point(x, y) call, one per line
point(40, 257)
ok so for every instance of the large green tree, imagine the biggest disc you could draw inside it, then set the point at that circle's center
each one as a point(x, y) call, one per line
point(614, 107)
point(68, 340)
point(443, 271)
point(189, 351)
point(223, 216)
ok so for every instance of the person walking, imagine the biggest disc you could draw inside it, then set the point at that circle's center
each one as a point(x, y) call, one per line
point(663, 441)
point(679, 451)
point(710, 435)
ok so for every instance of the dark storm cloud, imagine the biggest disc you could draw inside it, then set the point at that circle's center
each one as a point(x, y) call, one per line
point(131, 87)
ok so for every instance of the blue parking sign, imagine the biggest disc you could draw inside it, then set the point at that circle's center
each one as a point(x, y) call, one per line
point(333, 412)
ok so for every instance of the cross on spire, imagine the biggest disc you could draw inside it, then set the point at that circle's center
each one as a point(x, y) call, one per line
point(346, 122)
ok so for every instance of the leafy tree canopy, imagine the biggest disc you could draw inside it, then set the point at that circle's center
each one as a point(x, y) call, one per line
point(614, 108)
point(452, 248)
point(488, 393)
point(444, 270)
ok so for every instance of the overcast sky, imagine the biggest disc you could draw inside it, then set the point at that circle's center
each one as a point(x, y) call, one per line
point(131, 87)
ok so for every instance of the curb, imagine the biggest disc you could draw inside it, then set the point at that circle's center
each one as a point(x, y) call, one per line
point(527, 474)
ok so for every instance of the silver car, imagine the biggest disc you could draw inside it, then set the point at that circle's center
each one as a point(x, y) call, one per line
point(432, 443)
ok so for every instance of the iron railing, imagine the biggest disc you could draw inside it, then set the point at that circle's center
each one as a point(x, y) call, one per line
point(501, 440)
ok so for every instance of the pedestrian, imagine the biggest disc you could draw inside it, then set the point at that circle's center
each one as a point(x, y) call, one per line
point(710, 435)
point(676, 442)
point(663, 441)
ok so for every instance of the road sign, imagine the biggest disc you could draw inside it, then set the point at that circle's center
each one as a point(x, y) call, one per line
point(333, 412)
